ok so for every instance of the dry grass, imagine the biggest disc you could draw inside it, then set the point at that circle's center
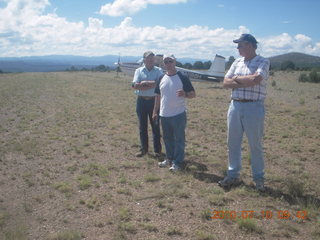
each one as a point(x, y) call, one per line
point(68, 171)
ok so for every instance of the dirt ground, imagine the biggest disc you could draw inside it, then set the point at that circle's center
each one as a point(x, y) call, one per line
point(68, 168)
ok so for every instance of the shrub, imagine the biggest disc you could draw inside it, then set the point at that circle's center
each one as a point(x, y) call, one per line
point(313, 77)
point(249, 225)
point(295, 187)
point(303, 77)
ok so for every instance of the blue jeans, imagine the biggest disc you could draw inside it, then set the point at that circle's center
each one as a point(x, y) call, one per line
point(246, 117)
point(173, 129)
point(144, 110)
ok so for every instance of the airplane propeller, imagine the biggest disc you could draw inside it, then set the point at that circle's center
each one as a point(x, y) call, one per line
point(118, 66)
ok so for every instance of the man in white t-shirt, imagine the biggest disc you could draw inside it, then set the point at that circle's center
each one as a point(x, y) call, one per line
point(171, 91)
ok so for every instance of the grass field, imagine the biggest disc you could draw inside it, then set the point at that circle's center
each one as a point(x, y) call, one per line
point(68, 170)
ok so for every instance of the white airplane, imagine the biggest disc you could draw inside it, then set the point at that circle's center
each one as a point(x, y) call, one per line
point(215, 73)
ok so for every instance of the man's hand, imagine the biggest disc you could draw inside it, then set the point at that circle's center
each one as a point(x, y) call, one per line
point(144, 85)
point(181, 93)
point(242, 81)
point(150, 84)
point(154, 116)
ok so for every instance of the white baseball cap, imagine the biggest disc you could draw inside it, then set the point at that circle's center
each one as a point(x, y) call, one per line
point(170, 55)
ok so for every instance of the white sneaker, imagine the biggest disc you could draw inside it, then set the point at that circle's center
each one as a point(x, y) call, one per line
point(164, 163)
point(174, 168)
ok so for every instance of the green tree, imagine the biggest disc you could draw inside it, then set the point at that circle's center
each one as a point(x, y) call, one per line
point(198, 65)
point(187, 65)
point(207, 64)
point(179, 64)
point(287, 65)
point(229, 62)
point(72, 69)
point(101, 68)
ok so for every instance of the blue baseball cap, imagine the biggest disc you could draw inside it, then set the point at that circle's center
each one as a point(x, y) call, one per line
point(246, 37)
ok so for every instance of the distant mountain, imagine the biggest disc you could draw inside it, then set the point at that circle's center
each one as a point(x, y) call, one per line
point(299, 59)
point(57, 62)
point(54, 63)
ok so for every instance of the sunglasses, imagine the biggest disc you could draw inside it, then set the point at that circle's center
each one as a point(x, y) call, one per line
point(168, 61)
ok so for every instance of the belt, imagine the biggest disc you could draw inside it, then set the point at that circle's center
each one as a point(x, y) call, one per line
point(146, 97)
point(244, 100)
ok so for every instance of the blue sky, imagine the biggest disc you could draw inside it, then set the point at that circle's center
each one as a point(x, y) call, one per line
point(187, 28)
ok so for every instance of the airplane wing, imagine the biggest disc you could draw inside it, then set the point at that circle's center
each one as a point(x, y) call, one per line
point(215, 73)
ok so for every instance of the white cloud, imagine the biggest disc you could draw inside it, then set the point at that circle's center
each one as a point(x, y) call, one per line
point(285, 43)
point(25, 30)
point(129, 7)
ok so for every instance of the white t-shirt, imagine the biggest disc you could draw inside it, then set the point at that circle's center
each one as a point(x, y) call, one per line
point(170, 104)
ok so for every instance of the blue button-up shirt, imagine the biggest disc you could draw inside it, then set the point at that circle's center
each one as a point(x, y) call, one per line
point(143, 74)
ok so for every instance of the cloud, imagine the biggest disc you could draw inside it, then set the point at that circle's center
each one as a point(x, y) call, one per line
point(129, 7)
point(284, 43)
point(26, 30)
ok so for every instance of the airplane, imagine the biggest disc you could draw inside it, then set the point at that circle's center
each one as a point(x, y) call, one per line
point(215, 73)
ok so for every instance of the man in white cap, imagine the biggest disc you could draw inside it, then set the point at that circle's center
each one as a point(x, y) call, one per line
point(171, 91)
point(144, 82)
point(247, 77)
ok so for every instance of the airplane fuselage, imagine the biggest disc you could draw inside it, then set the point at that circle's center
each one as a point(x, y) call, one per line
point(215, 73)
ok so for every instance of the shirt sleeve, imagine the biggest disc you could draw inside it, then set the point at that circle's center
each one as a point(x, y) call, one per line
point(232, 69)
point(136, 78)
point(263, 68)
point(157, 88)
point(187, 85)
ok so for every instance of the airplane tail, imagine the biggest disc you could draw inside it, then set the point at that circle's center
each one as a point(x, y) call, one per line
point(218, 66)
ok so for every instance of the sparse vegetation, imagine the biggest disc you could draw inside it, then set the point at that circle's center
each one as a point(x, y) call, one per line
point(249, 225)
point(67, 164)
point(66, 235)
point(313, 77)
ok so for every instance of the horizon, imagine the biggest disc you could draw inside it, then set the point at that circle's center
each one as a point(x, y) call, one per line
point(131, 56)
point(190, 29)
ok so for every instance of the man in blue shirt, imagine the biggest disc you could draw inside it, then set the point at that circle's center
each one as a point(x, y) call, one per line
point(144, 82)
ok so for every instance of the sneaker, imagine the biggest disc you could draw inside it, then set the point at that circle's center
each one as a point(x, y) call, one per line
point(157, 155)
point(165, 163)
point(141, 153)
point(260, 186)
point(174, 168)
point(229, 181)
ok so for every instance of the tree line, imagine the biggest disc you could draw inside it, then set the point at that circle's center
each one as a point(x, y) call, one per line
point(100, 68)
point(196, 65)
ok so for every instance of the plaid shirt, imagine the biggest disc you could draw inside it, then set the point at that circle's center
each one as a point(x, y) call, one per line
point(240, 67)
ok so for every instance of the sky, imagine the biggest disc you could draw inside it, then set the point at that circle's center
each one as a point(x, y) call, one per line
point(187, 28)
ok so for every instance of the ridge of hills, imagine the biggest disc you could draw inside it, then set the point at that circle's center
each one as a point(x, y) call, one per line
point(299, 59)
point(53, 63)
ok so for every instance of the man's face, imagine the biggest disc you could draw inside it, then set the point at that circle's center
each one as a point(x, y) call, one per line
point(149, 61)
point(244, 48)
point(169, 63)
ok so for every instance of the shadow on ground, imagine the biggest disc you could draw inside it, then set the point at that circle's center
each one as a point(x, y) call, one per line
point(199, 171)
